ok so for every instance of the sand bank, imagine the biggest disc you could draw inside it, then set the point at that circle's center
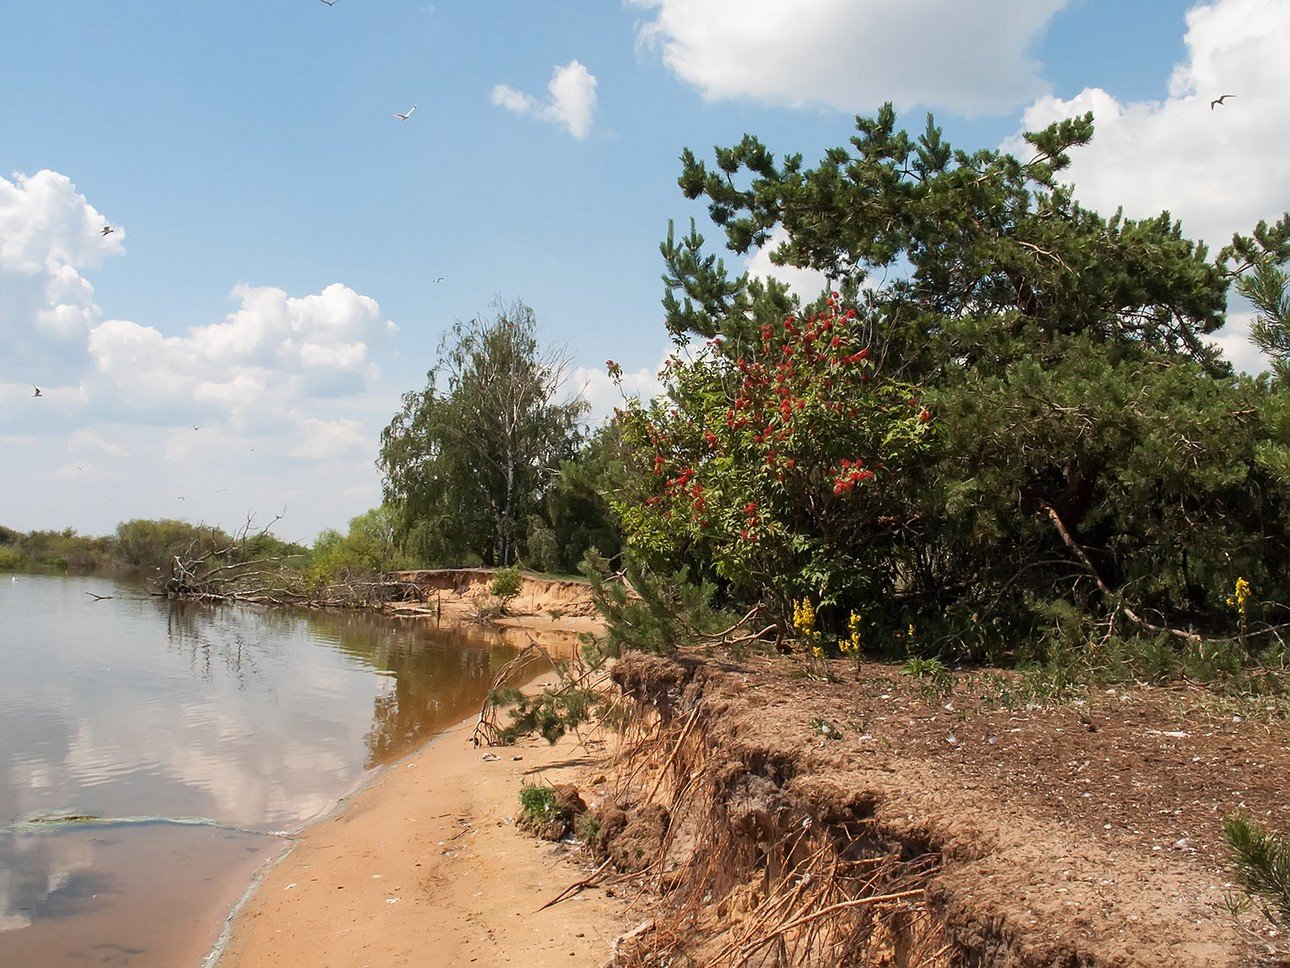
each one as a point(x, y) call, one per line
point(425, 867)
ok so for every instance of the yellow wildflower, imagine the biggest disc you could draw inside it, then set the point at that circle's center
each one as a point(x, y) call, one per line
point(1240, 596)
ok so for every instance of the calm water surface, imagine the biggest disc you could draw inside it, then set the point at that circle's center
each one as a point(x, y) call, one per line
point(194, 737)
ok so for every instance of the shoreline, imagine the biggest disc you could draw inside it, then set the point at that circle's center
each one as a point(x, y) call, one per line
point(294, 836)
point(423, 855)
point(426, 857)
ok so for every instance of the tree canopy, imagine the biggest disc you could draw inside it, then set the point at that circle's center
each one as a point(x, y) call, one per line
point(469, 459)
point(1076, 440)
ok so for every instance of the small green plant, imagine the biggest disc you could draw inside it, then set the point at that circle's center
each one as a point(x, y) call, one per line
point(538, 804)
point(933, 675)
point(825, 728)
point(1262, 862)
point(587, 826)
point(506, 585)
point(650, 612)
point(550, 713)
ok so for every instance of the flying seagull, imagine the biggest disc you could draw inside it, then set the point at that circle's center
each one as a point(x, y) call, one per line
point(438, 279)
point(39, 392)
point(107, 230)
point(1219, 100)
point(404, 117)
point(330, 3)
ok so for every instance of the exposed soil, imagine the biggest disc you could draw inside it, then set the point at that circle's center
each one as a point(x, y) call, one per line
point(1087, 834)
point(552, 611)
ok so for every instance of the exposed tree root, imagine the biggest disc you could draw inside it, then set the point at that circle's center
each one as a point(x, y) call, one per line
point(745, 876)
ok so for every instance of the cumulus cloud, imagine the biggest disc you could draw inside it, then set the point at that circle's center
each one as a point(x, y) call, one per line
point(49, 234)
point(602, 395)
point(1239, 350)
point(571, 105)
point(853, 56)
point(270, 406)
point(274, 348)
point(1217, 169)
point(329, 439)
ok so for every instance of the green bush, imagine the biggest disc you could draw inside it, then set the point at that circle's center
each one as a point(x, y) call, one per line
point(538, 804)
point(11, 559)
point(506, 584)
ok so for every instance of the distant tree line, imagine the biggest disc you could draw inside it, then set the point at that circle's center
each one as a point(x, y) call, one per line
point(141, 546)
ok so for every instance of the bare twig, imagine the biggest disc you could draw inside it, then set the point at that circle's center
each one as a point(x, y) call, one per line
point(576, 887)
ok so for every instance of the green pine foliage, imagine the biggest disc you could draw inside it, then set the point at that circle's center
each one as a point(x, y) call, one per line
point(1076, 442)
point(1262, 862)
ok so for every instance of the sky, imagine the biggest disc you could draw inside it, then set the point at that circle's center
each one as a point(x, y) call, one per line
point(286, 255)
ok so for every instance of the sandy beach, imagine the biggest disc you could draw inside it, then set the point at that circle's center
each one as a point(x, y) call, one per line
point(425, 867)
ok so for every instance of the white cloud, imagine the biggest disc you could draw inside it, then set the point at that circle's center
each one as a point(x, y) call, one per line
point(572, 104)
point(49, 234)
point(88, 440)
point(329, 439)
point(1234, 340)
point(968, 57)
point(272, 350)
point(282, 389)
point(806, 284)
point(1218, 169)
point(596, 387)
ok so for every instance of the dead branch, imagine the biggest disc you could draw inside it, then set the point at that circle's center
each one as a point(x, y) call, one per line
point(667, 765)
point(1129, 613)
point(576, 887)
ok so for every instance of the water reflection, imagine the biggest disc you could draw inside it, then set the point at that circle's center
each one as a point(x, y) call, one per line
point(43, 876)
point(135, 707)
point(139, 895)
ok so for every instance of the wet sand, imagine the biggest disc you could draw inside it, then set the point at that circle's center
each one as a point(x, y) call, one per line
point(425, 866)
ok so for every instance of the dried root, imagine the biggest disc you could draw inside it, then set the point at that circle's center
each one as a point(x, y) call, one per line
point(761, 881)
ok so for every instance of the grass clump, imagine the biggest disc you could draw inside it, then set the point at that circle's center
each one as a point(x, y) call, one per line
point(538, 804)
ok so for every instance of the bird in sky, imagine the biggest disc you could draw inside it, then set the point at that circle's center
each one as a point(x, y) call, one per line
point(198, 426)
point(330, 3)
point(39, 392)
point(404, 117)
point(107, 230)
point(1219, 100)
point(438, 279)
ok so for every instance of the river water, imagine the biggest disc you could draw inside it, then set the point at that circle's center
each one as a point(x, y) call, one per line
point(154, 755)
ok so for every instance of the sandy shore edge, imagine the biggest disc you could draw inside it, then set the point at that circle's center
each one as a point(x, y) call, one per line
point(424, 861)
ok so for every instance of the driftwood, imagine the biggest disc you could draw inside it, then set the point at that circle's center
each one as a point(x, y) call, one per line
point(225, 575)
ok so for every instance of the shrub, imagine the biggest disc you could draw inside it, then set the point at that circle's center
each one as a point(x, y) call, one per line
point(506, 584)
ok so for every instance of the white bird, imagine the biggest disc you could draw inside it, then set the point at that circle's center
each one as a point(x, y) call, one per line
point(330, 3)
point(39, 392)
point(107, 230)
point(1219, 100)
point(404, 117)
point(438, 279)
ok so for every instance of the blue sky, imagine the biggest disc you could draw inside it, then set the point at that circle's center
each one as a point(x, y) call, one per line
point(270, 279)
